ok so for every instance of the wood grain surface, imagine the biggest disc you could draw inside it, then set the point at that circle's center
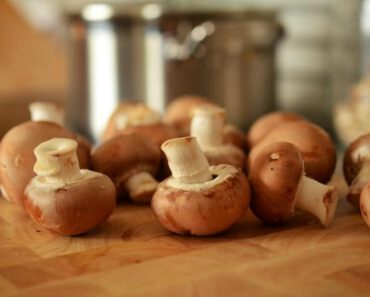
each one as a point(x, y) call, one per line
point(132, 255)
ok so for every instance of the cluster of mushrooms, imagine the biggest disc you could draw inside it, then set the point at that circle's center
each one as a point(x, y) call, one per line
point(191, 165)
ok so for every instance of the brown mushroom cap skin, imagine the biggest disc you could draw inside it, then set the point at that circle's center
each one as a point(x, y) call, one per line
point(226, 154)
point(365, 204)
point(124, 155)
point(205, 212)
point(17, 157)
point(266, 123)
point(280, 165)
point(72, 209)
point(353, 160)
point(314, 143)
point(180, 111)
point(234, 136)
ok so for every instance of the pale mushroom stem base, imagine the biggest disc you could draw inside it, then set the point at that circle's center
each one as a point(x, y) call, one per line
point(141, 186)
point(47, 111)
point(317, 199)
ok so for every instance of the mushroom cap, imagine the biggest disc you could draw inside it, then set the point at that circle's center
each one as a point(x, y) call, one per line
point(124, 155)
point(203, 209)
point(127, 114)
point(225, 154)
point(180, 111)
point(17, 157)
point(275, 177)
point(234, 136)
point(262, 126)
point(314, 143)
point(74, 208)
point(356, 154)
point(83, 151)
point(156, 132)
point(365, 203)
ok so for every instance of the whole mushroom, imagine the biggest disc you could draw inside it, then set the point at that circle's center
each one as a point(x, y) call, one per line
point(180, 112)
point(199, 199)
point(262, 126)
point(314, 143)
point(279, 186)
point(62, 198)
point(17, 158)
point(356, 167)
point(132, 162)
point(207, 126)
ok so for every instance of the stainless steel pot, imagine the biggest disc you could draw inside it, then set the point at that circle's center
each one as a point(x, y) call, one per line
point(154, 55)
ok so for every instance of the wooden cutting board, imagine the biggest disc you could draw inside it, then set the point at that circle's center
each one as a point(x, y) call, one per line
point(132, 255)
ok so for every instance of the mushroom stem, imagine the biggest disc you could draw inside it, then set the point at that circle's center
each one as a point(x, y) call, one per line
point(46, 111)
point(362, 178)
point(57, 160)
point(318, 199)
point(141, 186)
point(186, 160)
point(207, 126)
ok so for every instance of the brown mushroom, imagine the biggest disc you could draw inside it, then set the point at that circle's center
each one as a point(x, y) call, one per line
point(207, 126)
point(62, 198)
point(234, 136)
point(356, 167)
point(17, 158)
point(314, 143)
point(279, 185)
point(131, 161)
point(199, 199)
point(266, 123)
point(365, 203)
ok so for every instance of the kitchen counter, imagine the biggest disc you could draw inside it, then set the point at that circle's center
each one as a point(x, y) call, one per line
point(132, 255)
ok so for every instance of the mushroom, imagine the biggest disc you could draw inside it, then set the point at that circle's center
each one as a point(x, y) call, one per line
point(131, 161)
point(136, 117)
point(17, 158)
point(52, 112)
point(207, 126)
point(314, 143)
point(199, 199)
point(180, 111)
point(365, 203)
point(356, 167)
point(262, 126)
point(62, 198)
point(279, 185)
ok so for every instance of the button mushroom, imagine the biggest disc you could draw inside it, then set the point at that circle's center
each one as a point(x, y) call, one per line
point(365, 203)
point(207, 126)
point(279, 185)
point(62, 198)
point(356, 167)
point(266, 123)
point(130, 161)
point(199, 199)
point(314, 143)
point(180, 111)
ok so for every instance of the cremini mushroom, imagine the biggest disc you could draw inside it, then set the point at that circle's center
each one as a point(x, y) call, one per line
point(314, 143)
point(43, 111)
point(180, 111)
point(279, 186)
point(356, 167)
point(62, 198)
point(262, 126)
point(365, 203)
point(199, 199)
point(207, 126)
point(132, 162)
point(17, 158)
point(135, 117)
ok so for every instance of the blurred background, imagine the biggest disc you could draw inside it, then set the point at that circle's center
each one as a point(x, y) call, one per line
point(250, 56)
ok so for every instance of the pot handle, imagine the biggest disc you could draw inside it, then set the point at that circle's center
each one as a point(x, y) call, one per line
point(175, 50)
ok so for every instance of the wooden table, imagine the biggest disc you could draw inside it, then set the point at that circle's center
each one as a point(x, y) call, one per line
point(132, 255)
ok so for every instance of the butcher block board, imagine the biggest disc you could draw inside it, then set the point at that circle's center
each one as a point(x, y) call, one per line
point(132, 255)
